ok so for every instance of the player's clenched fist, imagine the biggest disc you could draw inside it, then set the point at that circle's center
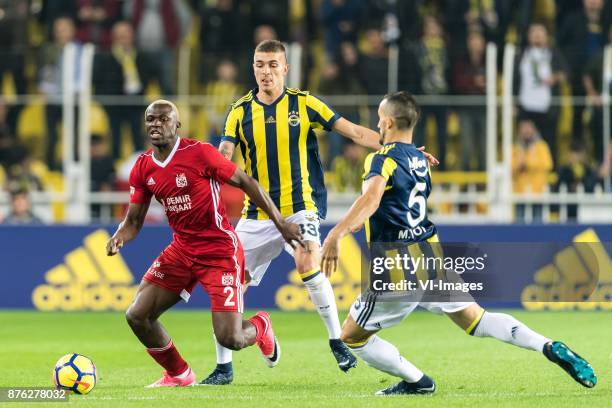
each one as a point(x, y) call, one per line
point(113, 245)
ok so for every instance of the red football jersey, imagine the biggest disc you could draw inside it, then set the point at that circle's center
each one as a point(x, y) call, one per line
point(187, 185)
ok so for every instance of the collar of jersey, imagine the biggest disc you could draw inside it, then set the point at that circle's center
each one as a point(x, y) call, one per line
point(165, 162)
point(256, 99)
point(404, 143)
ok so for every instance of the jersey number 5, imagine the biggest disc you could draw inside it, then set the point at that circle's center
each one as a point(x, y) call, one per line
point(417, 199)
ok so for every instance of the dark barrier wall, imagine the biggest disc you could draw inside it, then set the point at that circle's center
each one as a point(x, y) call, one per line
point(65, 267)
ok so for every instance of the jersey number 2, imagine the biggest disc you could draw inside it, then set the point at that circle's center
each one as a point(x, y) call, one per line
point(417, 199)
point(229, 291)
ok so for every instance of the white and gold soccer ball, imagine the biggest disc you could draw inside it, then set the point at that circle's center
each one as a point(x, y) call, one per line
point(76, 373)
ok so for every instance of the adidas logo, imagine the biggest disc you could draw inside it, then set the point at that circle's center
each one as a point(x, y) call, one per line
point(87, 280)
point(582, 273)
point(514, 330)
point(270, 119)
point(150, 182)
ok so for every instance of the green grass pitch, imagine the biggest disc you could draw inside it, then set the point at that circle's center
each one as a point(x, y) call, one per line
point(468, 371)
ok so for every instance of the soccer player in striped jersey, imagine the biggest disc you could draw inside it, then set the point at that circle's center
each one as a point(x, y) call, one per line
point(273, 126)
point(393, 208)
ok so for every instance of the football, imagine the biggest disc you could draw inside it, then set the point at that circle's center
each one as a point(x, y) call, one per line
point(76, 373)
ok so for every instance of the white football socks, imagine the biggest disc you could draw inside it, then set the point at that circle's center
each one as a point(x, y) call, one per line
point(322, 296)
point(224, 355)
point(384, 356)
point(506, 328)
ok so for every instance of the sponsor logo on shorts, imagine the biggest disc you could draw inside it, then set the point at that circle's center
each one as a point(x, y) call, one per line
point(156, 273)
point(227, 279)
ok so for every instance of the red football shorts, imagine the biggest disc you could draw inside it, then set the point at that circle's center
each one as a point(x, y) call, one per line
point(222, 278)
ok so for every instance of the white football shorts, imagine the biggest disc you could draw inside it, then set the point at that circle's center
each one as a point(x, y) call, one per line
point(372, 314)
point(262, 242)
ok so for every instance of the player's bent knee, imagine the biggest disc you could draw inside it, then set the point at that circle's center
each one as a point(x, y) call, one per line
point(133, 318)
point(307, 265)
point(352, 339)
point(232, 341)
point(137, 318)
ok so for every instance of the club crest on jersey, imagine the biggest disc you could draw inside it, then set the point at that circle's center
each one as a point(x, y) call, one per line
point(181, 180)
point(227, 279)
point(294, 118)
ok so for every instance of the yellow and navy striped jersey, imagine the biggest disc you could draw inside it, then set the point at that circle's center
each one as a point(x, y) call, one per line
point(402, 213)
point(280, 149)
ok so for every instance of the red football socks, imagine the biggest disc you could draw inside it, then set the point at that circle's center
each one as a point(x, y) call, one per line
point(169, 358)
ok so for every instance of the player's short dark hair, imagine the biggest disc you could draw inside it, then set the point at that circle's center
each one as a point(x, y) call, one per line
point(270, 46)
point(403, 108)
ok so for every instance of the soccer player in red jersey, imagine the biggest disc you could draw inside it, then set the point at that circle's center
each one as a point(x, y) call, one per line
point(185, 177)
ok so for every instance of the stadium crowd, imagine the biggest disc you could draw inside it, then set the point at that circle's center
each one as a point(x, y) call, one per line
point(442, 47)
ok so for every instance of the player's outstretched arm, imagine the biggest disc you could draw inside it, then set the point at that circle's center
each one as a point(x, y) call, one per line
point(358, 134)
point(128, 228)
point(290, 231)
point(227, 149)
point(360, 211)
point(369, 138)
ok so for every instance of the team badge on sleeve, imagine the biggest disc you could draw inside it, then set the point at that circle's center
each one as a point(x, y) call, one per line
point(181, 180)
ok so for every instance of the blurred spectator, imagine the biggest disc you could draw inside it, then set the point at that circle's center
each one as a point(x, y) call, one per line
point(13, 46)
point(373, 65)
point(21, 208)
point(540, 70)
point(122, 71)
point(434, 69)
point(593, 85)
point(11, 152)
point(160, 26)
point(347, 169)
point(581, 36)
point(156, 213)
point(577, 173)
point(51, 80)
point(221, 27)
point(469, 78)
point(221, 34)
point(223, 92)
point(341, 20)
point(273, 13)
point(339, 77)
point(531, 164)
point(51, 10)
point(95, 19)
point(102, 175)
point(488, 16)
point(262, 33)
point(605, 170)
point(22, 171)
